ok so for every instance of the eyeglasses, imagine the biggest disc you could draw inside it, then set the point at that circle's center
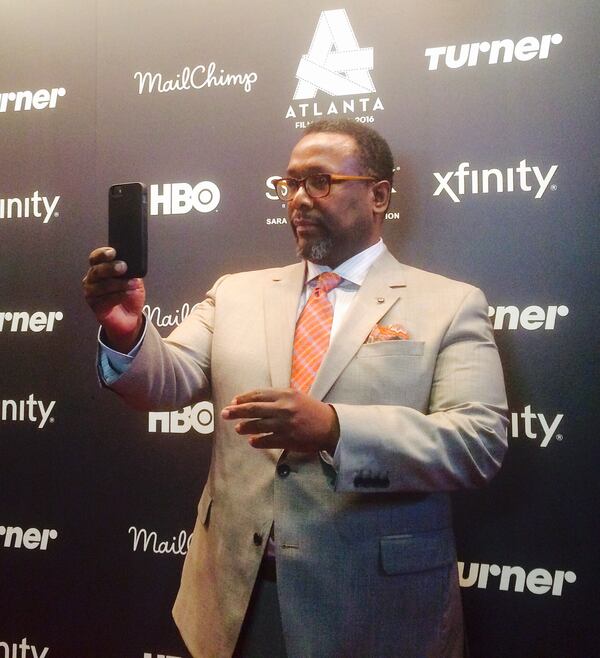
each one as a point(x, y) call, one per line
point(315, 185)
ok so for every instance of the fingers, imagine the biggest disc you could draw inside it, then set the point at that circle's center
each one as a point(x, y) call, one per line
point(260, 395)
point(102, 255)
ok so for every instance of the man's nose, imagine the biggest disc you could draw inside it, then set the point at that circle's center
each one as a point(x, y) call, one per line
point(302, 198)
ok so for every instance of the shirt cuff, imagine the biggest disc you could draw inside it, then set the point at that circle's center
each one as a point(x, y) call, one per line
point(113, 364)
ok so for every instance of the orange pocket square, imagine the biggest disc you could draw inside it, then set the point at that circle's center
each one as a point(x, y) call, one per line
point(387, 332)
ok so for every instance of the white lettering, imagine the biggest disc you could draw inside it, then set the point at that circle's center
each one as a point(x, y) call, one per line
point(530, 318)
point(537, 581)
point(199, 417)
point(21, 321)
point(25, 410)
point(148, 541)
point(28, 100)
point(181, 198)
point(31, 538)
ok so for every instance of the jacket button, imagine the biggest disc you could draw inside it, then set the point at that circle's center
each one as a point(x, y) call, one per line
point(257, 539)
point(283, 470)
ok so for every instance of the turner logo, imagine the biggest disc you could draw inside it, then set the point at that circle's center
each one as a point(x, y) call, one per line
point(41, 99)
point(181, 198)
point(31, 539)
point(35, 206)
point(337, 66)
point(35, 411)
point(149, 541)
point(474, 181)
point(200, 417)
point(530, 318)
point(22, 321)
point(22, 649)
point(527, 423)
point(502, 50)
point(537, 581)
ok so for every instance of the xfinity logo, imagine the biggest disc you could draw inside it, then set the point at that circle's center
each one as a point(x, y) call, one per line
point(504, 50)
point(200, 417)
point(30, 100)
point(149, 541)
point(31, 539)
point(22, 649)
point(181, 198)
point(474, 181)
point(537, 581)
point(22, 321)
point(529, 423)
point(336, 65)
point(530, 318)
point(36, 206)
point(31, 409)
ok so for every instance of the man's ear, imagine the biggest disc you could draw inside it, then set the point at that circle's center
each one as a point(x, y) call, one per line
point(381, 192)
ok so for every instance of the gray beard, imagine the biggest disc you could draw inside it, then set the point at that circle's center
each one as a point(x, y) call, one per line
point(317, 251)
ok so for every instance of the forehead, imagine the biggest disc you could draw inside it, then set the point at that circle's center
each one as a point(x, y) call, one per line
point(324, 152)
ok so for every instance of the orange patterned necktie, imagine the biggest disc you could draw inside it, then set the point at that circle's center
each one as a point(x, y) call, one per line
point(313, 328)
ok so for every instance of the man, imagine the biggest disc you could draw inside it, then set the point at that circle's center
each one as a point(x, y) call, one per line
point(396, 398)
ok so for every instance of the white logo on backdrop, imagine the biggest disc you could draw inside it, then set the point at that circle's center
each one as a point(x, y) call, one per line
point(30, 100)
point(200, 417)
point(528, 422)
point(530, 318)
point(537, 581)
point(24, 648)
point(197, 77)
point(40, 207)
point(149, 654)
point(484, 181)
point(334, 63)
point(149, 541)
point(22, 321)
point(524, 50)
point(160, 319)
point(181, 198)
point(26, 410)
point(31, 538)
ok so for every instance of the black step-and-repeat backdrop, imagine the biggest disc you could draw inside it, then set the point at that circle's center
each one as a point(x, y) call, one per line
point(491, 110)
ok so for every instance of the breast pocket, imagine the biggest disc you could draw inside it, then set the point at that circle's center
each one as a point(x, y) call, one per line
point(392, 348)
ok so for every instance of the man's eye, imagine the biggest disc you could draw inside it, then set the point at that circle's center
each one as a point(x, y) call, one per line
point(319, 181)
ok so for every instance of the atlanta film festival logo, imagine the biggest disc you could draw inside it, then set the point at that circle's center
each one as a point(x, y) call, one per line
point(337, 66)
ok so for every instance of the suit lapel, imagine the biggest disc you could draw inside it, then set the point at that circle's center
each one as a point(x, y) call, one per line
point(281, 299)
point(381, 289)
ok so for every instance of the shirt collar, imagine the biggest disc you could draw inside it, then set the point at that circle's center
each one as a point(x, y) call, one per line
point(354, 269)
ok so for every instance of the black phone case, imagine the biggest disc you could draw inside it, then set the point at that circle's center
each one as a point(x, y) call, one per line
point(128, 226)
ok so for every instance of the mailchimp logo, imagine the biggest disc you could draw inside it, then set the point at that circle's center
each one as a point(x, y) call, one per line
point(31, 538)
point(22, 321)
point(336, 65)
point(524, 50)
point(530, 318)
point(181, 198)
point(484, 181)
point(537, 581)
point(41, 99)
point(200, 417)
point(529, 423)
point(21, 649)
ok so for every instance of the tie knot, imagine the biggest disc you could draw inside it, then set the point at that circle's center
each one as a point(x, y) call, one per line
point(328, 281)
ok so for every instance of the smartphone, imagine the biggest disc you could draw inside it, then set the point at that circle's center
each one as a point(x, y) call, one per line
point(128, 226)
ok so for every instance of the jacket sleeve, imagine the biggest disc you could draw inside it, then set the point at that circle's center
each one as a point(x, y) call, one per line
point(168, 374)
point(461, 440)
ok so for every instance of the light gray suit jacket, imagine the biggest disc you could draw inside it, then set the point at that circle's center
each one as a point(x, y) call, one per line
point(366, 561)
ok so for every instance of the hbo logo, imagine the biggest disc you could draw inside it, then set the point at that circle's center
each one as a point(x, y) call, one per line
point(199, 417)
point(180, 198)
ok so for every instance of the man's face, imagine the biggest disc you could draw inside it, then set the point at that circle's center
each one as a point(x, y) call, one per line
point(334, 228)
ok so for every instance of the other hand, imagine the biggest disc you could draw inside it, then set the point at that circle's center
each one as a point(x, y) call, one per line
point(284, 418)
